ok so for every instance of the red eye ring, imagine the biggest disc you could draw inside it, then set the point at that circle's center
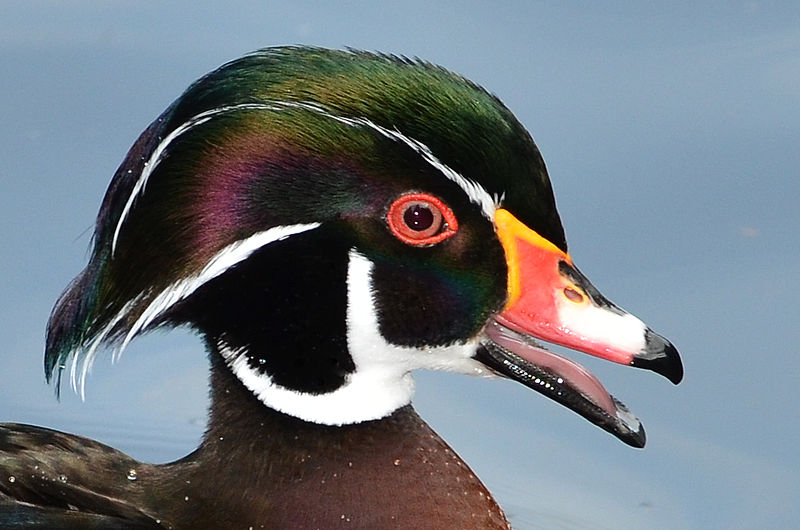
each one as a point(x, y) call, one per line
point(420, 219)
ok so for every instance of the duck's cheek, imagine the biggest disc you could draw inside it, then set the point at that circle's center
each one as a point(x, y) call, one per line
point(430, 305)
point(385, 350)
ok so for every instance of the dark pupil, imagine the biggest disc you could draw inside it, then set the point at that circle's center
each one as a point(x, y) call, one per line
point(418, 217)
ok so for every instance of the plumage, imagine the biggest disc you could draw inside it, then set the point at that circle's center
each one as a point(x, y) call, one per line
point(328, 221)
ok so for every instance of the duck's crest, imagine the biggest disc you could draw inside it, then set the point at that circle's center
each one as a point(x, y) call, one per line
point(190, 194)
point(80, 320)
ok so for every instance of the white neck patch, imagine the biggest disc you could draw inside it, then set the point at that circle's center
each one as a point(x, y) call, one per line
point(381, 382)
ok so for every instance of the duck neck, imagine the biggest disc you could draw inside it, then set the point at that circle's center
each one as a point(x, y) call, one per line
point(394, 472)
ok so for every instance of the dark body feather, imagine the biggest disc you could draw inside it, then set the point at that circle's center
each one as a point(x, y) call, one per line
point(255, 468)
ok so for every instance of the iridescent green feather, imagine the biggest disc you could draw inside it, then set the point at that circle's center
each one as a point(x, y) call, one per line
point(463, 124)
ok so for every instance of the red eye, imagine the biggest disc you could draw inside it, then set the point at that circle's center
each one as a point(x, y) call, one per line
point(421, 219)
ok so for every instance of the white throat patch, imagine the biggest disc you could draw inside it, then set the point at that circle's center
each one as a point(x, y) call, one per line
point(382, 380)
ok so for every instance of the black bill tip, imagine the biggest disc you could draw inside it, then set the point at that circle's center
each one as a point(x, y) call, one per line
point(661, 357)
point(615, 419)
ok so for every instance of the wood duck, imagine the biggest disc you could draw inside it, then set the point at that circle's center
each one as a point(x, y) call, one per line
point(329, 221)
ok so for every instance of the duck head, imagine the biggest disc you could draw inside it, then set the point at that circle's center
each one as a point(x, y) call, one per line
point(332, 220)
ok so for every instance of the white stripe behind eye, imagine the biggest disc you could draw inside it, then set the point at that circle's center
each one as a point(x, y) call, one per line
point(158, 154)
point(474, 191)
point(219, 263)
point(223, 260)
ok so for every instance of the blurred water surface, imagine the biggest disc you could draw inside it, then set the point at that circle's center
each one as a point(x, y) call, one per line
point(670, 133)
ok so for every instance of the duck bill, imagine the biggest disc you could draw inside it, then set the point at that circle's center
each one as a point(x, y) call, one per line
point(550, 300)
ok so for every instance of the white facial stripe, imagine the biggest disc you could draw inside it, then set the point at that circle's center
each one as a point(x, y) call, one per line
point(362, 398)
point(474, 191)
point(223, 260)
point(370, 350)
point(91, 352)
point(158, 153)
point(381, 382)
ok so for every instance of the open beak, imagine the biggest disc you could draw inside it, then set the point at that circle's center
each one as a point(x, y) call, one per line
point(549, 299)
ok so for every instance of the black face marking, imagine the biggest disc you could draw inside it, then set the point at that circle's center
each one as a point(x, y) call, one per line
point(285, 308)
point(440, 295)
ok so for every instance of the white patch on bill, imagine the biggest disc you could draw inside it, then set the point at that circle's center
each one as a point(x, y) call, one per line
point(623, 331)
